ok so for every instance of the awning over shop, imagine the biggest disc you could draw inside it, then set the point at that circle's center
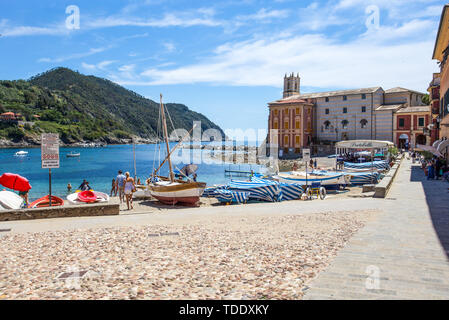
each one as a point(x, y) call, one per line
point(364, 144)
point(430, 149)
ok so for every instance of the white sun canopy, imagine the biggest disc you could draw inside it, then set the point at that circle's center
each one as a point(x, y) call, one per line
point(364, 144)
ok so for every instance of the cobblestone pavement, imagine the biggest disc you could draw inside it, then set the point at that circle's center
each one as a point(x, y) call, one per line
point(403, 254)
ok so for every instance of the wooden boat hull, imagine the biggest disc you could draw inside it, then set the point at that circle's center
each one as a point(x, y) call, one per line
point(187, 193)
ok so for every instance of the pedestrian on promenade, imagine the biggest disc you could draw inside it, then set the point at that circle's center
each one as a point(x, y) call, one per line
point(129, 188)
point(69, 187)
point(315, 164)
point(430, 170)
point(438, 165)
point(120, 185)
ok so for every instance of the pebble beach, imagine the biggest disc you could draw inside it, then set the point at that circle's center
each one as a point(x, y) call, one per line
point(240, 257)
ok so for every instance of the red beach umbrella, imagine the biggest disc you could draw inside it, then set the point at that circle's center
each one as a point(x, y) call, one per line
point(15, 182)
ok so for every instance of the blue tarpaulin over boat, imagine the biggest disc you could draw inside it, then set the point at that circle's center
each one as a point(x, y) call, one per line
point(383, 165)
point(359, 178)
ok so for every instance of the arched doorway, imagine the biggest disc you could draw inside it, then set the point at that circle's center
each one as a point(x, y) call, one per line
point(421, 139)
point(403, 140)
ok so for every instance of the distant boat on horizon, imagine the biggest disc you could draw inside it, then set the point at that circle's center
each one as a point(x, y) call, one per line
point(21, 153)
point(73, 155)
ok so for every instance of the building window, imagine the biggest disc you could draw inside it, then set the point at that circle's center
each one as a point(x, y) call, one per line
point(309, 126)
point(286, 124)
point(276, 125)
point(327, 125)
point(297, 124)
point(420, 122)
point(345, 110)
point(327, 99)
point(363, 96)
point(275, 112)
point(297, 140)
point(286, 112)
point(363, 123)
point(297, 111)
point(401, 122)
point(344, 124)
point(327, 111)
point(285, 141)
point(345, 98)
point(363, 109)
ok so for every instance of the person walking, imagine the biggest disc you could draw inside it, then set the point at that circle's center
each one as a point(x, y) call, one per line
point(130, 187)
point(438, 166)
point(120, 185)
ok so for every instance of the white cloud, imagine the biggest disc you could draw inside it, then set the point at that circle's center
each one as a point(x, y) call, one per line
point(91, 52)
point(169, 46)
point(101, 66)
point(264, 14)
point(322, 61)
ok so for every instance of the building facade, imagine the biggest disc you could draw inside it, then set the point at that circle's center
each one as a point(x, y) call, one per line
point(434, 97)
point(440, 53)
point(411, 125)
point(367, 113)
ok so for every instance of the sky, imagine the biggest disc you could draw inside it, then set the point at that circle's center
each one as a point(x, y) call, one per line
point(225, 59)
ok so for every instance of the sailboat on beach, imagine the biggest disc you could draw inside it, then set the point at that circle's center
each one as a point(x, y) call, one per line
point(169, 190)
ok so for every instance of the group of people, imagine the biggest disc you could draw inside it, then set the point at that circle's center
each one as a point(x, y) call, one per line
point(313, 164)
point(125, 186)
point(434, 168)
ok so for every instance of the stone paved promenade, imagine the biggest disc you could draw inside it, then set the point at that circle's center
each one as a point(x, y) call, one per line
point(402, 254)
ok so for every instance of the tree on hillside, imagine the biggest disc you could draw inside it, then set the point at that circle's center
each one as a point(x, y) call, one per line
point(2, 108)
point(426, 99)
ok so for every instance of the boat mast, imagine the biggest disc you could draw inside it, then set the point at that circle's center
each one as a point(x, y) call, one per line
point(164, 124)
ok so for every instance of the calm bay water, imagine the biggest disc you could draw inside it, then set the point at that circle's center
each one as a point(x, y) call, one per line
point(100, 165)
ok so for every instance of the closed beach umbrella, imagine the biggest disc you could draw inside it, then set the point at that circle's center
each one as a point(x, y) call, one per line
point(15, 182)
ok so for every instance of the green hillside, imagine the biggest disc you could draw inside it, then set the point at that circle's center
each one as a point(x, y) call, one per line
point(88, 108)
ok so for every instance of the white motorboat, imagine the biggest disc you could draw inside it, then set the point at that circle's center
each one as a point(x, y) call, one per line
point(73, 155)
point(10, 200)
point(329, 180)
point(21, 153)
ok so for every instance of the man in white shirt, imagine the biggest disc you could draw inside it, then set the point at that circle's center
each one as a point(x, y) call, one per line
point(120, 184)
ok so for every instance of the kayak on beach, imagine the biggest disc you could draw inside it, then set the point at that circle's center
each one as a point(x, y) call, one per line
point(45, 202)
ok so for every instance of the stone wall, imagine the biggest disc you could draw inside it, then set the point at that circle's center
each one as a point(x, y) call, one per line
point(61, 212)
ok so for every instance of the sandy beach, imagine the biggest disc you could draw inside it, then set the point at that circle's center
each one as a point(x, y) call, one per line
point(244, 256)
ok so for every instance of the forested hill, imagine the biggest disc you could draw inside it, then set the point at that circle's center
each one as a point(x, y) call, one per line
point(85, 108)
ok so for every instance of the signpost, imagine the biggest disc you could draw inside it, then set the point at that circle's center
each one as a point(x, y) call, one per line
point(50, 155)
point(306, 158)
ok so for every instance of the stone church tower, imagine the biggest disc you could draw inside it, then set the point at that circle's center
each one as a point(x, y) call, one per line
point(291, 85)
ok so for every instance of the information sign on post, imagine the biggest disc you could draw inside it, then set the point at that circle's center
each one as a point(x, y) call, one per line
point(50, 155)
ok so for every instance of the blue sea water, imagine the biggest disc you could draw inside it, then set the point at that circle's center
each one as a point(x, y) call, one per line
point(100, 165)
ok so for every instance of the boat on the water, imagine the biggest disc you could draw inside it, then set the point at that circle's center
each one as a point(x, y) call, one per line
point(73, 154)
point(21, 153)
point(168, 190)
point(10, 200)
point(45, 202)
point(329, 180)
point(100, 197)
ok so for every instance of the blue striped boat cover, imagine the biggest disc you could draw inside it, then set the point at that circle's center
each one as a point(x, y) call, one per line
point(289, 191)
point(366, 165)
point(358, 178)
point(264, 191)
point(211, 191)
point(224, 195)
